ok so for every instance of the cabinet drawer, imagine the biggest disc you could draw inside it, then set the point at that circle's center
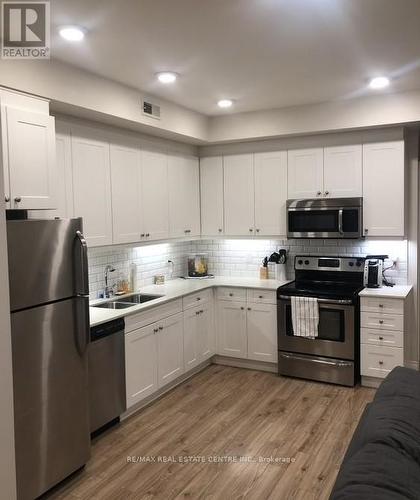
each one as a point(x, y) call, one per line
point(382, 337)
point(149, 316)
point(262, 296)
point(231, 293)
point(378, 305)
point(197, 298)
point(378, 361)
point(382, 321)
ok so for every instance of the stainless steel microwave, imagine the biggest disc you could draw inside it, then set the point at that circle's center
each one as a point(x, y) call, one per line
point(325, 218)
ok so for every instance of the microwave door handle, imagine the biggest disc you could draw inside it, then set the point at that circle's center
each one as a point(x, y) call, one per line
point(82, 279)
point(340, 221)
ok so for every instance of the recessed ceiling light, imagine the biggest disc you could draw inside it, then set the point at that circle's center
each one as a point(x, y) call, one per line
point(166, 77)
point(380, 82)
point(72, 33)
point(225, 103)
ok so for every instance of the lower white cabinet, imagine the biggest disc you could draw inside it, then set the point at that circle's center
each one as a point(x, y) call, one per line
point(247, 329)
point(170, 349)
point(141, 364)
point(262, 332)
point(199, 335)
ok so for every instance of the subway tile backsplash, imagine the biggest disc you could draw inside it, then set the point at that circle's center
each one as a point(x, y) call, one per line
point(228, 257)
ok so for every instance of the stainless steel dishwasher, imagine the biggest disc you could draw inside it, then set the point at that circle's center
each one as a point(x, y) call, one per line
point(106, 373)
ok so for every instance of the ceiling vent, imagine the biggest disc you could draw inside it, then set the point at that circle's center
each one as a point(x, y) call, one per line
point(151, 109)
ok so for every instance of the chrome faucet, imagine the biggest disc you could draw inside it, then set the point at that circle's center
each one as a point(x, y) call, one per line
point(108, 289)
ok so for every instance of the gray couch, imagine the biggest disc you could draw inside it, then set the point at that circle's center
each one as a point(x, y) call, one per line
point(382, 461)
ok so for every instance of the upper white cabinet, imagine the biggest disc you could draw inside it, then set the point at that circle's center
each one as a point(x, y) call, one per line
point(270, 173)
point(239, 195)
point(184, 196)
point(211, 189)
point(343, 171)
point(29, 159)
point(126, 193)
point(383, 189)
point(92, 186)
point(332, 172)
point(305, 173)
point(154, 194)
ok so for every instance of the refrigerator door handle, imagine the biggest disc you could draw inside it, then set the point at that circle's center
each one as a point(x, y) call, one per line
point(82, 330)
point(82, 278)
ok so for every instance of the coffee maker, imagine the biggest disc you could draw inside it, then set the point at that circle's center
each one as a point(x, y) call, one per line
point(374, 268)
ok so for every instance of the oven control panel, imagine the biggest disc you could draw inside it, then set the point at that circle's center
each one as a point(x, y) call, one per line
point(317, 263)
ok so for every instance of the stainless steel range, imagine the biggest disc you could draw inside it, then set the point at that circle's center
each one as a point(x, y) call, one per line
point(332, 356)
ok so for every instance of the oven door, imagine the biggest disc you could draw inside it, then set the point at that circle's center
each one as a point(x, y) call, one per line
point(336, 332)
point(324, 222)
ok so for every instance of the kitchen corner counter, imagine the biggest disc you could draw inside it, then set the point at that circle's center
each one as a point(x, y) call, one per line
point(390, 292)
point(175, 289)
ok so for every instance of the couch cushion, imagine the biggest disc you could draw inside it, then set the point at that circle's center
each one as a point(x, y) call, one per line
point(378, 472)
point(401, 382)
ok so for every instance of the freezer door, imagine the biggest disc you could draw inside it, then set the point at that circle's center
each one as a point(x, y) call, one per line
point(49, 345)
point(46, 261)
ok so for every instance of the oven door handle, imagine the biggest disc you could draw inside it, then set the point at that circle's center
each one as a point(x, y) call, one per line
point(323, 301)
point(340, 221)
point(341, 364)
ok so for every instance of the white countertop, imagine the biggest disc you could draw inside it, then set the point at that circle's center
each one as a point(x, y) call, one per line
point(175, 289)
point(390, 292)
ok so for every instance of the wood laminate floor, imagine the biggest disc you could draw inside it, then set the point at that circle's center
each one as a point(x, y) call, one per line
point(226, 412)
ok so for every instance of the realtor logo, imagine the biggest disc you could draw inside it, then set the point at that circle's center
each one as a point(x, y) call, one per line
point(25, 30)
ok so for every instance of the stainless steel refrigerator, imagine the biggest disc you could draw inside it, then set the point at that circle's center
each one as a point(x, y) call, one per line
point(50, 335)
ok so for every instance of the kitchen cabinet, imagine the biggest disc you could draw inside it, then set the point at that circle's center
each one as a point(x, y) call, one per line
point(211, 189)
point(239, 195)
point(184, 196)
point(65, 206)
point(383, 189)
point(199, 335)
point(141, 363)
point(262, 332)
point(231, 332)
point(170, 349)
point(126, 193)
point(305, 173)
point(343, 171)
point(28, 142)
point(92, 186)
point(154, 195)
point(270, 176)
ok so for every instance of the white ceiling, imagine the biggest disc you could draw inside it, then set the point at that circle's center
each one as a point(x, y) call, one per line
point(261, 53)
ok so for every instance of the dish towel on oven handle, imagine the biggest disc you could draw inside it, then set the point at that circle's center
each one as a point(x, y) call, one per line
point(305, 317)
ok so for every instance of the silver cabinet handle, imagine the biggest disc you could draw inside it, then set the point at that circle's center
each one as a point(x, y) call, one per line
point(7, 199)
point(340, 221)
point(187, 231)
point(18, 199)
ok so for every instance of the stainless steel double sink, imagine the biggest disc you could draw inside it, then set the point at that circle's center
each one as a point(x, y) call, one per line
point(131, 301)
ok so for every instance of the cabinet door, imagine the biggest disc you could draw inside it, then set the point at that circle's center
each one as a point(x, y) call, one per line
point(207, 339)
point(305, 173)
point(184, 202)
point(170, 349)
point(270, 171)
point(141, 364)
point(126, 193)
point(231, 332)
point(92, 188)
point(65, 206)
point(383, 189)
point(262, 332)
point(343, 171)
point(31, 159)
point(155, 195)
point(239, 195)
point(211, 182)
point(192, 326)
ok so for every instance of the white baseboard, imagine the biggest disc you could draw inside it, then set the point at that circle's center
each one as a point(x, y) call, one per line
point(245, 363)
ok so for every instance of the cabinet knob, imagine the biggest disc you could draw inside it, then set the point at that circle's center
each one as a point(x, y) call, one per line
point(248, 308)
point(147, 235)
point(381, 362)
point(7, 199)
point(220, 230)
point(18, 199)
point(242, 308)
point(187, 231)
point(142, 235)
point(197, 313)
point(161, 328)
point(381, 338)
point(257, 230)
point(381, 305)
point(231, 295)
point(251, 230)
point(366, 231)
point(318, 193)
point(327, 193)
point(198, 298)
point(201, 312)
point(260, 296)
point(381, 321)
point(155, 330)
